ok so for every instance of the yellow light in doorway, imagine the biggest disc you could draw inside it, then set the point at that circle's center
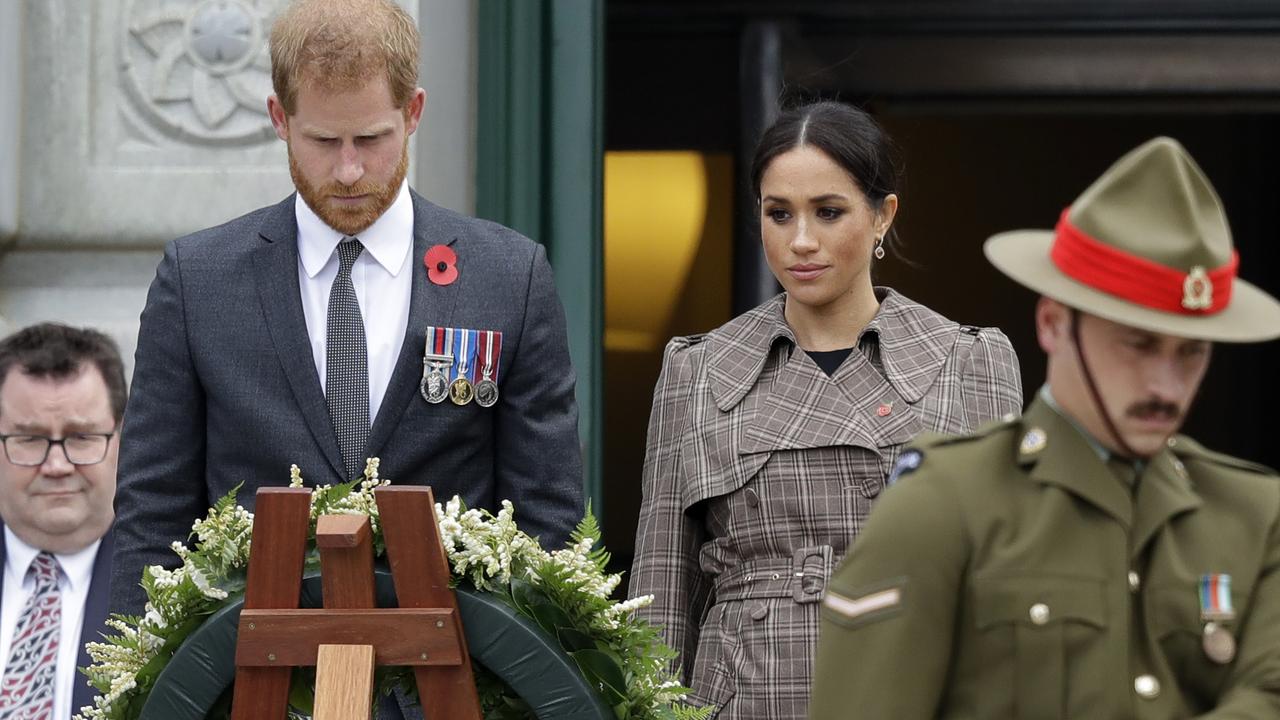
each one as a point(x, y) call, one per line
point(660, 210)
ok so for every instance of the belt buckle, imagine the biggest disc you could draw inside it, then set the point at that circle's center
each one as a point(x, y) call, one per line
point(809, 569)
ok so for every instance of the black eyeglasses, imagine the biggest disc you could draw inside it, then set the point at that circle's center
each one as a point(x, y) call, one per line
point(33, 450)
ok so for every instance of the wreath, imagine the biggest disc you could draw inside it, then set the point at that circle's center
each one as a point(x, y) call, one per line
point(564, 593)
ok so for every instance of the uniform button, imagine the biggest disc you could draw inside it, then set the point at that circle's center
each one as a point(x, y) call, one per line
point(1147, 687)
point(1039, 613)
point(1135, 581)
point(752, 498)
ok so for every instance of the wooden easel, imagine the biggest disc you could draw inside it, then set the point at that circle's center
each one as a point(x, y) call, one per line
point(350, 635)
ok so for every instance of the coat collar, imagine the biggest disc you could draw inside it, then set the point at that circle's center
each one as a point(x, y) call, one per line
point(1056, 452)
point(914, 345)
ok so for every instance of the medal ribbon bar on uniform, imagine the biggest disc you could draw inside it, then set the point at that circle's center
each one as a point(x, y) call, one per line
point(1215, 597)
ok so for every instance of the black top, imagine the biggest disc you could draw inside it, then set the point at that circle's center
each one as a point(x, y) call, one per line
point(829, 360)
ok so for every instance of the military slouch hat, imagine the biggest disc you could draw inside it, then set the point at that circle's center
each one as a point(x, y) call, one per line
point(1146, 245)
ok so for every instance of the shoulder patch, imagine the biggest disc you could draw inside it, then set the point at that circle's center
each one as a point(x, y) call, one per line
point(907, 462)
point(1185, 447)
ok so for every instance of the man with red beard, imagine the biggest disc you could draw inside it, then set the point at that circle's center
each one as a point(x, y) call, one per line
point(1084, 560)
point(354, 319)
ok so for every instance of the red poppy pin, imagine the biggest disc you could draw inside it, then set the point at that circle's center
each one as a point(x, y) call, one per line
point(442, 264)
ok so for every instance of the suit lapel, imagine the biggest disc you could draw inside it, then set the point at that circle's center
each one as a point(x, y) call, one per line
point(429, 304)
point(95, 616)
point(281, 297)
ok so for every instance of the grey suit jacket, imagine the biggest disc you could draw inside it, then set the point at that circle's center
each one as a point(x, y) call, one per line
point(225, 390)
point(95, 617)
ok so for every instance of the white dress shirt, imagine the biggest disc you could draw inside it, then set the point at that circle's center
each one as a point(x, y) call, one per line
point(73, 583)
point(382, 277)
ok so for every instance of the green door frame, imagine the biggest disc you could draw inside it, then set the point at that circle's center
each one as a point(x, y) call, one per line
point(539, 167)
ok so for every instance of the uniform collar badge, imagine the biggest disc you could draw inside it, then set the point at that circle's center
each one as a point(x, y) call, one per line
point(1033, 441)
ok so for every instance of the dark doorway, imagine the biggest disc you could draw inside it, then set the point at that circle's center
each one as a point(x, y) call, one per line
point(1005, 112)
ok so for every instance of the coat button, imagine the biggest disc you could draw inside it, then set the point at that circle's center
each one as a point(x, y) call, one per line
point(1135, 581)
point(1039, 613)
point(1147, 687)
point(752, 498)
point(759, 611)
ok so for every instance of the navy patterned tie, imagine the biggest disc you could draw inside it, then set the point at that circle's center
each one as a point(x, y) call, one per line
point(346, 383)
point(26, 693)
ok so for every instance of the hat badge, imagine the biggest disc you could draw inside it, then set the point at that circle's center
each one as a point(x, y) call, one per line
point(1197, 290)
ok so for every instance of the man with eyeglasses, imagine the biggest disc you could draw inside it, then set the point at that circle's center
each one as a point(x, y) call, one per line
point(62, 395)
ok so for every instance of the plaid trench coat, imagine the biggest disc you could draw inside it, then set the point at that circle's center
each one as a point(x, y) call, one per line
point(760, 471)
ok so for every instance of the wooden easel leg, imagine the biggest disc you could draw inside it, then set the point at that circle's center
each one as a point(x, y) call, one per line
point(280, 522)
point(344, 682)
point(421, 574)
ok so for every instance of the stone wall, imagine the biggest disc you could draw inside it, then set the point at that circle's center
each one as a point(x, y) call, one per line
point(126, 123)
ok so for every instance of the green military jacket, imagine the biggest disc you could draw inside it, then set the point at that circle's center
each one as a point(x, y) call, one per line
point(1013, 574)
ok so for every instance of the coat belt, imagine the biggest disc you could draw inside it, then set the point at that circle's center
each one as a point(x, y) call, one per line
point(803, 578)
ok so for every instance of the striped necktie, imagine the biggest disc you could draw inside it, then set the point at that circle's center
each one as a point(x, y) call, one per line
point(346, 383)
point(26, 693)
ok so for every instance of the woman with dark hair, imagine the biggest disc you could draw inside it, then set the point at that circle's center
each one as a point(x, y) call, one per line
point(771, 436)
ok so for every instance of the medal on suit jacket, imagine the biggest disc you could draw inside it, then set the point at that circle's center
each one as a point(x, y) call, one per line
point(1215, 609)
point(490, 351)
point(461, 391)
point(436, 359)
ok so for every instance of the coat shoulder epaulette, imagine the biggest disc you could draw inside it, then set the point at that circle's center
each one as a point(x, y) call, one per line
point(684, 342)
point(1188, 449)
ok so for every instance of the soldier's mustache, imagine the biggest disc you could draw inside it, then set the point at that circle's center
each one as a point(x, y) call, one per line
point(1155, 408)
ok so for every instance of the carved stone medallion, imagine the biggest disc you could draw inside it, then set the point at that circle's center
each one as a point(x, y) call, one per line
point(199, 70)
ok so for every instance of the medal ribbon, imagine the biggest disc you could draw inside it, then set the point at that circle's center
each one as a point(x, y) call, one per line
point(464, 346)
point(1215, 596)
point(492, 341)
point(1131, 277)
point(438, 339)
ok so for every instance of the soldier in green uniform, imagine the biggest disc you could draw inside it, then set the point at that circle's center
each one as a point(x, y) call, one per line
point(1084, 560)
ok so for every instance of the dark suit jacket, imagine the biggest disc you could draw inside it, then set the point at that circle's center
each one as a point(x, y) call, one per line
point(225, 390)
point(95, 616)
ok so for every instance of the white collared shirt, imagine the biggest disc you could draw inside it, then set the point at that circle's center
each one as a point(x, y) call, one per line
point(382, 277)
point(73, 583)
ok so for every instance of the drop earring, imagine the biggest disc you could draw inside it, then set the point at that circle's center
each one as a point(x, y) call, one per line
point(879, 251)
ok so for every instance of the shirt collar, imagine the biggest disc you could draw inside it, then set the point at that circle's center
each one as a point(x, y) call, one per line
point(914, 345)
point(77, 567)
point(1104, 454)
point(389, 239)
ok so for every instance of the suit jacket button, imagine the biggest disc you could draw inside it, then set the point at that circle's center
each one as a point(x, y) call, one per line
point(1147, 687)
